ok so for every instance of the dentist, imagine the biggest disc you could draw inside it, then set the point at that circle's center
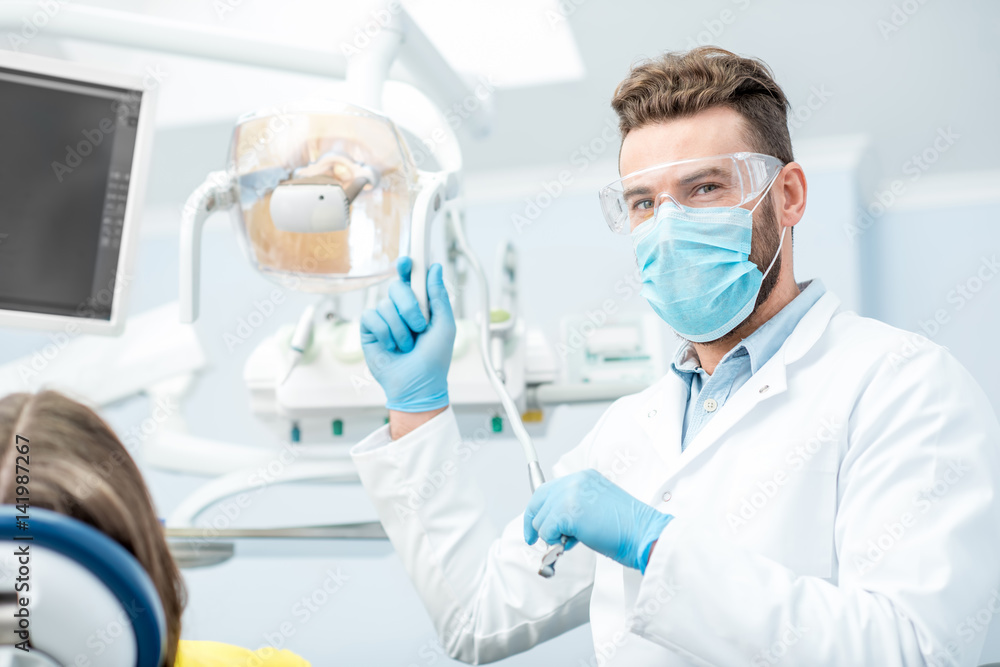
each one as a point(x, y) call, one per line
point(804, 487)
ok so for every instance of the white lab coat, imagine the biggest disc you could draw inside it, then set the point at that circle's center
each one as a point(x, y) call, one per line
point(840, 509)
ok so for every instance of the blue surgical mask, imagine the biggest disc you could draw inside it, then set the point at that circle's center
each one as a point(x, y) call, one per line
point(696, 269)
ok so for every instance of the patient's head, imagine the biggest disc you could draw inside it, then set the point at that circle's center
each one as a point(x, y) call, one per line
point(79, 468)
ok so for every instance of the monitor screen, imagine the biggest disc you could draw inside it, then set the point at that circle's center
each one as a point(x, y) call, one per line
point(66, 154)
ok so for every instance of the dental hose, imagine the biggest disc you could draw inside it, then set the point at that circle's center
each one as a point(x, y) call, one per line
point(535, 475)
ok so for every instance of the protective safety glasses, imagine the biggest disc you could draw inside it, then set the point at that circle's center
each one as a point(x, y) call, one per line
point(718, 181)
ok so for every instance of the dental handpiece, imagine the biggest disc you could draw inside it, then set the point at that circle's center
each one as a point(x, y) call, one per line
point(547, 568)
point(301, 340)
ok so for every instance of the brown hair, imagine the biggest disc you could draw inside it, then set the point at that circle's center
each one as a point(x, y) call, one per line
point(681, 84)
point(80, 468)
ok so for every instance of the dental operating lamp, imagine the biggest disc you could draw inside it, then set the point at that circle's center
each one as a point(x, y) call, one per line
point(340, 176)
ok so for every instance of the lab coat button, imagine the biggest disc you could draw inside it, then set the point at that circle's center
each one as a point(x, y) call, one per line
point(666, 496)
point(711, 405)
point(652, 413)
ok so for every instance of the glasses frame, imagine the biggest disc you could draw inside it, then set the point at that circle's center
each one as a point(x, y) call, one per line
point(618, 218)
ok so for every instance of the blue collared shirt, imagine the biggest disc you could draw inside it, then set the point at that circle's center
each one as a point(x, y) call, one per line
point(708, 393)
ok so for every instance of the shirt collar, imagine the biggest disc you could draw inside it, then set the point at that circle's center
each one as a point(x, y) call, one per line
point(761, 345)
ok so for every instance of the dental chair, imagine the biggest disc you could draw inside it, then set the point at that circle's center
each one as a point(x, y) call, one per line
point(89, 601)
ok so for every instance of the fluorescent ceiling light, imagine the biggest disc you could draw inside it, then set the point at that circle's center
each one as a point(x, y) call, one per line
point(518, 42)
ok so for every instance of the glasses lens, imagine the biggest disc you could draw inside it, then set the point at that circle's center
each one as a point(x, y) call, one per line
point(724, 181)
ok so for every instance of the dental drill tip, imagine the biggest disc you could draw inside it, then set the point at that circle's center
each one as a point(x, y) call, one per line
point(291, 367)
point(548, 567)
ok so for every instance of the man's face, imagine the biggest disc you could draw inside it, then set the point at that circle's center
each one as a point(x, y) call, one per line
point(716, 131)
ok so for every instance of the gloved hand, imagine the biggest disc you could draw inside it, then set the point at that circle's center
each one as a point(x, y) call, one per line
point(587, 507)
point(407, 355)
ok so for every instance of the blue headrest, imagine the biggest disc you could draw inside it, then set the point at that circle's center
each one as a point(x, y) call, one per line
point(109, 561)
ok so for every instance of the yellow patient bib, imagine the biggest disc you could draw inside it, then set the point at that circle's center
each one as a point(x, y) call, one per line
point(214, 654)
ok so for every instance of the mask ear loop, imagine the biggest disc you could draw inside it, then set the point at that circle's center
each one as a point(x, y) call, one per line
point(766, 190)
point(776, 253)
point(782, 241)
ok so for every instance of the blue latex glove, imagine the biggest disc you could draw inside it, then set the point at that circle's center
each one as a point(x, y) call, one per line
point(587, 507)
point(407, 355)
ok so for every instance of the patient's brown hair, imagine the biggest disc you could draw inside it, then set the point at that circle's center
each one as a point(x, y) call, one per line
point(80, 468)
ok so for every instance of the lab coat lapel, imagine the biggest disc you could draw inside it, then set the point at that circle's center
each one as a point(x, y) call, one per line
point(766, 383)
point(661, 418)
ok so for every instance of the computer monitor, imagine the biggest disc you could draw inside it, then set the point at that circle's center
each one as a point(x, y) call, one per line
point(74, 149)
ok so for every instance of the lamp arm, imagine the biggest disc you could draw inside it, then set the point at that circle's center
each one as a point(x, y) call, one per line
point(215, 194)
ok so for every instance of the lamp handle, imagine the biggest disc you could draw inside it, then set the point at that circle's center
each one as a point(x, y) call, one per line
point(215, 194)
point(428, 206)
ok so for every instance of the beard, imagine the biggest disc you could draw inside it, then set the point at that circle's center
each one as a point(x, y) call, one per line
point(764, 246)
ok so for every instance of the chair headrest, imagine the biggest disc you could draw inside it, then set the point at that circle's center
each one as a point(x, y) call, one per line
point(63, 542)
